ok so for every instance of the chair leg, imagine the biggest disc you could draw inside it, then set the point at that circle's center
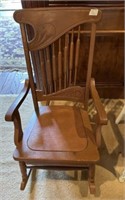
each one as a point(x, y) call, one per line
point(25, 176)
point(91, 179)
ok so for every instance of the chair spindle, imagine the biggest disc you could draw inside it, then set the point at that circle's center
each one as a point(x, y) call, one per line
point(71, 57)
point(54, 67)
point(43, 73)
point(49, 70)
point(77, 55)
point(66, 59)
point(60, 65)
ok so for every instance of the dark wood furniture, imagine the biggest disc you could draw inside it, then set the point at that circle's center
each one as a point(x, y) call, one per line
point(57, 137)
point(108, 67)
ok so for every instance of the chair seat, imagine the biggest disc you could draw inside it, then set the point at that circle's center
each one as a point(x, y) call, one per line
point(60, 135)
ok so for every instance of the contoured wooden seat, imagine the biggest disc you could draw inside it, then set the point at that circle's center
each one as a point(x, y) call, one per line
point(58, 136)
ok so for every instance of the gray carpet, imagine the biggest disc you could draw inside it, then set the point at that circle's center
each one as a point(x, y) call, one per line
point(59, 185)
point(11, 48)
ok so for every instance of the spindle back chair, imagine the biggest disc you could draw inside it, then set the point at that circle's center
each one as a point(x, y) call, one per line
point(58, 137)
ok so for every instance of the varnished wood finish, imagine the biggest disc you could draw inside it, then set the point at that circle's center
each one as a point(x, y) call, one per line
point(55, 34)
point(18, 101)
point(97, 103)
point(25, 174)
point(98, 3)
point(91, 179)
point(34, 4)
point(57, 137)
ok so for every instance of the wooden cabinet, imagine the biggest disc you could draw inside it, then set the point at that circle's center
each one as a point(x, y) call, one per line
point(108, 68)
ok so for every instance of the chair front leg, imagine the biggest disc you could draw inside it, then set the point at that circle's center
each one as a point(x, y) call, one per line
point(24, 173)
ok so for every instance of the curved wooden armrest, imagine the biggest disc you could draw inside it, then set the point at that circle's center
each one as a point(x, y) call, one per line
point(98, 105)
point(17, 103)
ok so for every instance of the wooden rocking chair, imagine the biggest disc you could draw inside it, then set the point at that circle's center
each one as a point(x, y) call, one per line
point(58, 136)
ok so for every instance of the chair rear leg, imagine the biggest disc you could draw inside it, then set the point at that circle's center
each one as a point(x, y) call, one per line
point(91, 179)
point(25, 176)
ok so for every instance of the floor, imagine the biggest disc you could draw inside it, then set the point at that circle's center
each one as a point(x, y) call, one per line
point(11, 82)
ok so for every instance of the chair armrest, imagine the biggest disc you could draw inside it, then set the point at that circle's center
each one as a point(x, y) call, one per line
point(98, 105)
point(17, 103)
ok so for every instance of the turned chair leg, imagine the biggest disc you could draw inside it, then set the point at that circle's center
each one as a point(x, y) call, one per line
point(25, 176)
point(91, 179)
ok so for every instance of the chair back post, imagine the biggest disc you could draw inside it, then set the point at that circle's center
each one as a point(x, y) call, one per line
point(90, 63)
point(29, 67)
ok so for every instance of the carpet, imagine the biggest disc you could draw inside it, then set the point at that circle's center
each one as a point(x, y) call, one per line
point(60, 185)
point(11, 49)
